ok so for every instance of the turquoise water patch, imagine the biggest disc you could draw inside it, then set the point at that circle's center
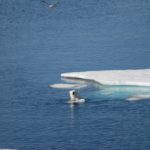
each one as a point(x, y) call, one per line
point(119, 92)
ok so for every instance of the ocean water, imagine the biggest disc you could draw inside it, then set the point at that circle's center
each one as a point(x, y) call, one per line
point(37, 44)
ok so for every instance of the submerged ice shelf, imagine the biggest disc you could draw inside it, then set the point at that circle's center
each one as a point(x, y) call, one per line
point(139, 77)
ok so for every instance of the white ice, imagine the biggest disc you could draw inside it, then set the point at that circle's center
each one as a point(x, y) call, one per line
point(139, 77)
point(67, 86)
point(129, 84)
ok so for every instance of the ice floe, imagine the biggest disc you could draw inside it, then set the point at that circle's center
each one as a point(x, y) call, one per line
point(139, 77)
point(67, 86)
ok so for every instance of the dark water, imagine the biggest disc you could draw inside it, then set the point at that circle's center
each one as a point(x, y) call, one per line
point(38, 43)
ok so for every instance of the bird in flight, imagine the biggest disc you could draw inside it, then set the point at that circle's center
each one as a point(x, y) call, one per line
point(50, 5)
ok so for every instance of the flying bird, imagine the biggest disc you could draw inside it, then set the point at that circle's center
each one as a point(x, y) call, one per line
point(50, 5)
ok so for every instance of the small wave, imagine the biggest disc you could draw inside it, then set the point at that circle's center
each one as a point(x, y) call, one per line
point(138, 97)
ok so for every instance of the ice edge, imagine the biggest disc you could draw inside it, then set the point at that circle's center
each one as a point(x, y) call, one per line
point(138, 77)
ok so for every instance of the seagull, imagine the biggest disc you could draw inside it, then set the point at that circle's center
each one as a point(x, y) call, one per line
point(50, 5)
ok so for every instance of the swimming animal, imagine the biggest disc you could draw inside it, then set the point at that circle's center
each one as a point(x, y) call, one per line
point(75, 98)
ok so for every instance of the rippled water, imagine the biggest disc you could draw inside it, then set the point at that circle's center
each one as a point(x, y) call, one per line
point(38, 43)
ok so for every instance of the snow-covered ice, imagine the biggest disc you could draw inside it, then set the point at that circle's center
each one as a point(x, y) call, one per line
point(139, 77)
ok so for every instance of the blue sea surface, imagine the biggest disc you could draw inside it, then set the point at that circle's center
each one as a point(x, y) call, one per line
point(37, 44)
